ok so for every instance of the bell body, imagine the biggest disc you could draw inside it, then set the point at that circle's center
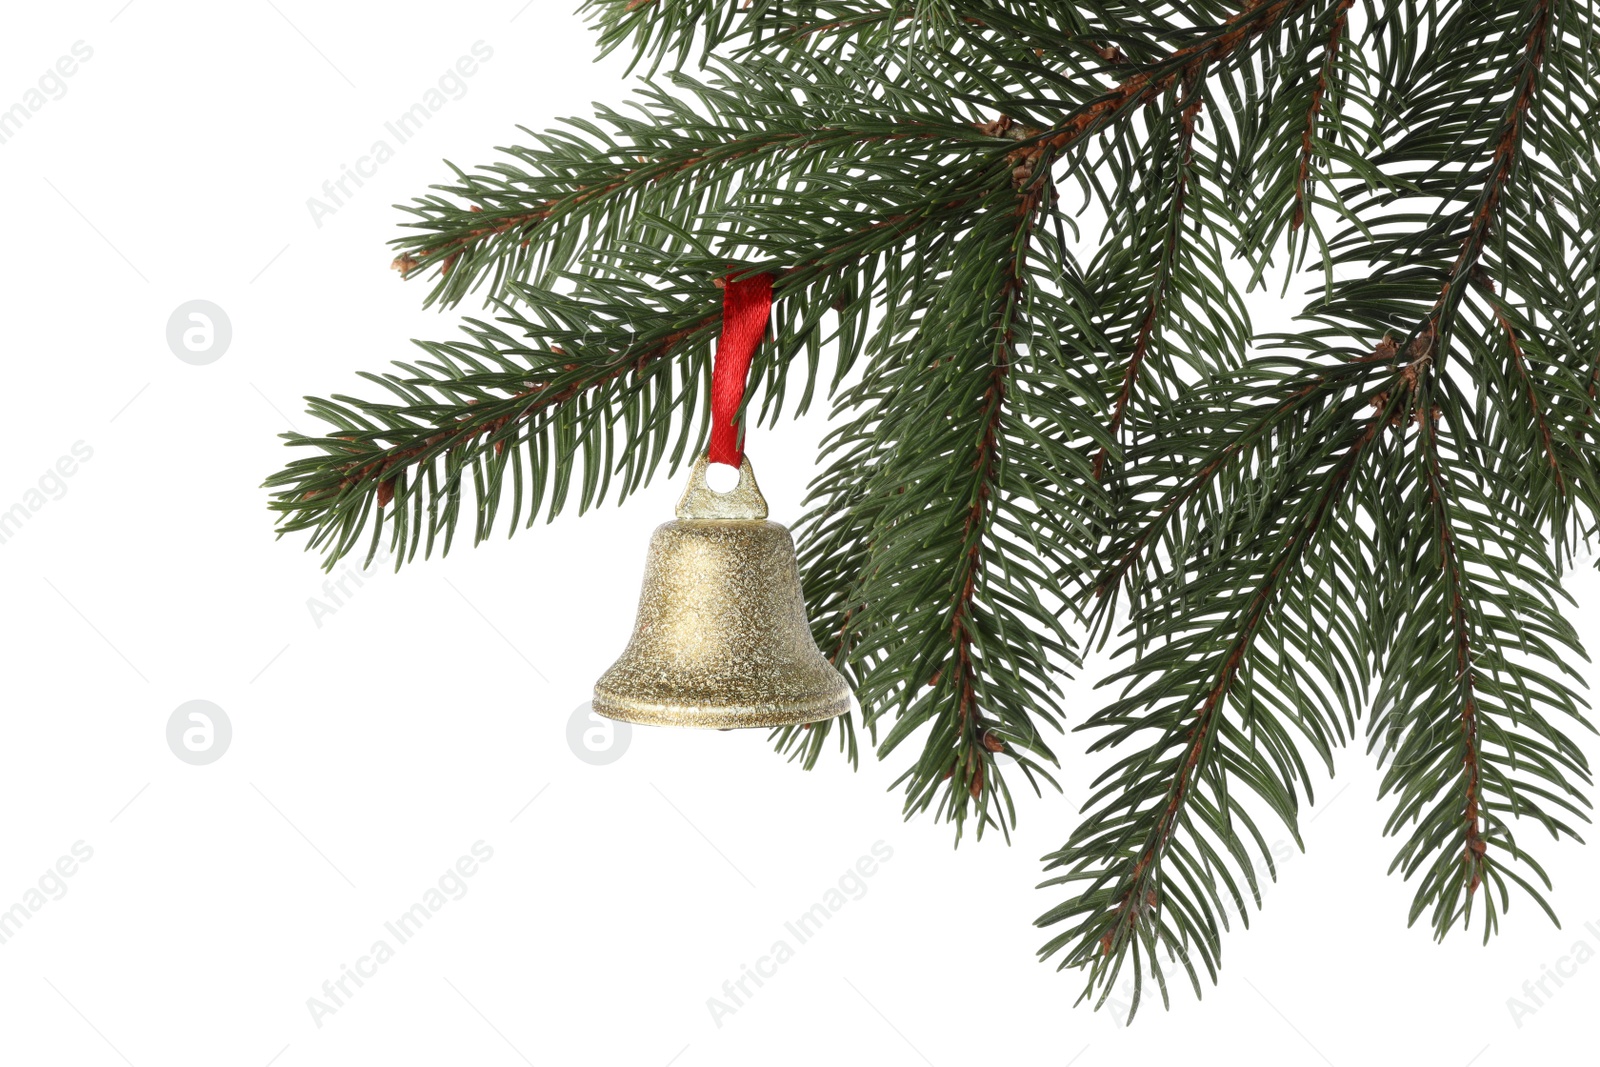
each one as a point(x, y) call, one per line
point(721, 639)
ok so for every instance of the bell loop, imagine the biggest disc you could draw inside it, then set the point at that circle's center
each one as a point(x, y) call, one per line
point(743, 501)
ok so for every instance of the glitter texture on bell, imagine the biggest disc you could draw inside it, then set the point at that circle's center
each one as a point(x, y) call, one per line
point(721, 640)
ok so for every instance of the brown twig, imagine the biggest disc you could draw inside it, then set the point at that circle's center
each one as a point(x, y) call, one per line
point(1330, 58)
point(1474, 845)
point(986, 467)
point(1505, 153)
point(1158, 289)
point(1187, 65)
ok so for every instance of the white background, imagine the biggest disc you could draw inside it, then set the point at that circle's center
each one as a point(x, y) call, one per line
point(424, 715)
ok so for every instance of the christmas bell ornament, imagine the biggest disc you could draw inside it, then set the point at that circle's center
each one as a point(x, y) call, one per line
point(721, 639)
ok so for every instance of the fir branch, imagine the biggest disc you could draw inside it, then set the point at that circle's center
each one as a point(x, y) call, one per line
point(509, 231)
point(459, 414)
point(697, 151)
point(1467, 725)
point(942, 514)
point(626, 351)
point(1198, 697)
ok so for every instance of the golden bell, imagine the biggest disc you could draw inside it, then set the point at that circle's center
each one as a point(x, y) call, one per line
point(721, 639)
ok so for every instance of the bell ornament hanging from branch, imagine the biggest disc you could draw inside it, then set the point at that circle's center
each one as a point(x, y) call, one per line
point(722, 640)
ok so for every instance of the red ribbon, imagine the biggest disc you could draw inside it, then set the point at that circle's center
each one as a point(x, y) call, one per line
point(746, 308)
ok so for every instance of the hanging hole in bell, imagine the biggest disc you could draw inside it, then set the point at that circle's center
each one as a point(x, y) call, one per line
point(703, 500)
point(722, 478)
